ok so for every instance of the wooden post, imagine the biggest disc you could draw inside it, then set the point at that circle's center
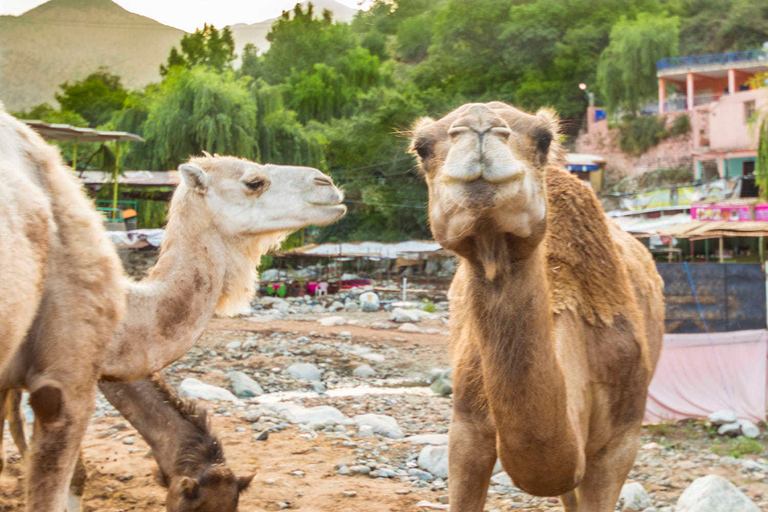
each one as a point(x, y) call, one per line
point(706, 250)
point(115, 176)
point(722, 245)
point(671, 249)
point(693, 249)
point(74, 155)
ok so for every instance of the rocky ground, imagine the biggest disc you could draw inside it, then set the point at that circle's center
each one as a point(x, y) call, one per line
point(378, 440)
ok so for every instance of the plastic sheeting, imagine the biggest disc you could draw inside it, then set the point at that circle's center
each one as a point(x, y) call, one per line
point(698, 374)
point(137, 238)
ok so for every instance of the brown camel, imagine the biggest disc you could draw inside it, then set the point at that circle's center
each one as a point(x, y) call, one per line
point(553, 345)
point(61, 298)
point(226, 213)
point(189, 455)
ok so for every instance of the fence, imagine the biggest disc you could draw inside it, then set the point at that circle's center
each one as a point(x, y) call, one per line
point(731, 296)
point(713, 58)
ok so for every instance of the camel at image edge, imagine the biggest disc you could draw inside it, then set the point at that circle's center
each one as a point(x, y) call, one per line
point(226, 213)
point(61, 298)
point(557, 315)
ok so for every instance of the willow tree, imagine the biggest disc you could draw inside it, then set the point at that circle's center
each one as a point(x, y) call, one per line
point(196, 110)
point(626, 71)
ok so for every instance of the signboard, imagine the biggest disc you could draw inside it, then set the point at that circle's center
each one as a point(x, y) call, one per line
point(722, 212)
point(761, 212)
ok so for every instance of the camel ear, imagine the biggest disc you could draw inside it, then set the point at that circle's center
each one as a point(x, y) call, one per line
point(188, 486)
point(195, 177)
point(551, 119)
point(243, 482)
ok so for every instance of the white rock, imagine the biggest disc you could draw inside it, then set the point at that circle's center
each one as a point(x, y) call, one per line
point(305, 371)
point(243, 386)
point(402, 316)
point(320, 415)
point(383, 425)
point(433, 439)
point(714, 493)
point(722, 417)
point(269, 275)
point(729, 429)
point(365, 431)
point(408, 327)
point(364, 371)
point(330, 321)
point(502, 479)
point(435, 460)
point(369, 302)
point(633, 498)
point(749, 429)
point(193, 388)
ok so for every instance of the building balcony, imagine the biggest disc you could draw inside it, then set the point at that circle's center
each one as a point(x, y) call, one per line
point(712, 60)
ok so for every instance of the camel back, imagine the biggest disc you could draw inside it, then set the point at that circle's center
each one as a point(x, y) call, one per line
point(587, 276)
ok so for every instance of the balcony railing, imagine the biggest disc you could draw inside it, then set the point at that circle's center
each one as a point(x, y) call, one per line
point(713, 58)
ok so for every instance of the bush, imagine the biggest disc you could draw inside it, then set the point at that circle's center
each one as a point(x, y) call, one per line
point(738, 447)
point(681, 126)
point(639, 134)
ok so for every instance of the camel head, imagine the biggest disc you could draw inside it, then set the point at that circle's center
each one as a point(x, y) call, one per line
point(217, 489)
point(484, 164)
point(245, 198)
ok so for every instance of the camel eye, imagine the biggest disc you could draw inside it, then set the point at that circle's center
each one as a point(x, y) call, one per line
point(542, 144)
point(423, 148)
point(255, 184)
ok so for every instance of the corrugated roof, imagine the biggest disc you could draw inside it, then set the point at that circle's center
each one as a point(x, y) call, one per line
point(66, 132)
point(411, 249)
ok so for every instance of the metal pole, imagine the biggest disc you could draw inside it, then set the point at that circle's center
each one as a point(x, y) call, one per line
point(115, 176)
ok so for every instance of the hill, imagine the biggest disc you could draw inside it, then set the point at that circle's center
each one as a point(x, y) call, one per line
point(65, 40)
point(256, 33)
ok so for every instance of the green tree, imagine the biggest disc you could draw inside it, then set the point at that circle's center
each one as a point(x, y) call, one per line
point(251, 64)
point(95, 98)
point(626, 72)
point(196, 110)
point(714, 26)
point(205, 47)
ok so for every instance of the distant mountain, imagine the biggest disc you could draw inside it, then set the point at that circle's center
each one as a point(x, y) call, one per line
point(256, 33)
point(65, 40)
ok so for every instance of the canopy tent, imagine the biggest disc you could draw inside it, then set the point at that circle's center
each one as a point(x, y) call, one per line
point(700, 230)
point(408, 250)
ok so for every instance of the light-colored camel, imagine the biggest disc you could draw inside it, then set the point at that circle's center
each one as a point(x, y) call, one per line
point(225, 214)
point(61, 298)
point(556, 314)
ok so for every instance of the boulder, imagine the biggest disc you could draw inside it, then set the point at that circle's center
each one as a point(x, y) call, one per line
point(193, 388)
point(633, 498)
point(714, 493)
point(722, 417)
point(442, 386)
point(385, 426)
point(408, 327)
point(320, 415)
point(431, 439)
point(269, 275)
point(749, 429)
point(364, 371)
point(243, 386)
point(369, 302)
point(304, 371)
point(729, 429)
point(402, 316)
point(435, 460)
point(330, 321)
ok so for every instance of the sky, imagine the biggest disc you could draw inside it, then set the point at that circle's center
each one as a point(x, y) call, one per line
point(189, 14)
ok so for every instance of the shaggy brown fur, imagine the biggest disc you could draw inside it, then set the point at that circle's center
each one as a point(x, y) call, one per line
point(553, 346)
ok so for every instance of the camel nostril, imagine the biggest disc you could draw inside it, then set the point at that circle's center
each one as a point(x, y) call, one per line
point(323, 182)
point(502, 132)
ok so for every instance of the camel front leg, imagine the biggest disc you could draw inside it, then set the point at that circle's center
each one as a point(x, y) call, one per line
point(60, 423)
point(472, 443)
point(3, 399)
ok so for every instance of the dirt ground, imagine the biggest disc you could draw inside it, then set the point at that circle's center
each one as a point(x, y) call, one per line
point(295, 470)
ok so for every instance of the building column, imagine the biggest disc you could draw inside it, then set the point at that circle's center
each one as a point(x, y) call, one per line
point(662, 95)
point(731, 81)
point(689, 90)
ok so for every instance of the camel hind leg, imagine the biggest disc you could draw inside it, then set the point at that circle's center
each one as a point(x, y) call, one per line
point(606, 473)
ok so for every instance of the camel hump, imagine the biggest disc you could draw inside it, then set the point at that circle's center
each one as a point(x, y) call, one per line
point(587, 272)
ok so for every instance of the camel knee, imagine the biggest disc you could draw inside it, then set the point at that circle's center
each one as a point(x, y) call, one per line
point(47, 401)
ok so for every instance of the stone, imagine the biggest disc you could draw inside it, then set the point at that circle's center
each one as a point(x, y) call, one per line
point(253, 416)
point(193, 388)
point(421, 475)
point(442, 386)
point(408, 327)
point(350, 494)
point(365, 431)
point(633, 498)
point(261, 436)
point(320, 415)
point(352, 307)
point(364, 371)
point(749, 429)
point(269, 275)
point(369, 302)
point(432, 439)
point(304, 371)
point(435, 460)
point(330, 321)
point(359, 470)
point(128, 440)
point(243, 386)
point(729, 429)
point(385, 426)
point(722, 417)
point(502, 479)
point(402, 316)
point(714, 493)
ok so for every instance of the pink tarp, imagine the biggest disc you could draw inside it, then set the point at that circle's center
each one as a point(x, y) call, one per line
point(698, 374)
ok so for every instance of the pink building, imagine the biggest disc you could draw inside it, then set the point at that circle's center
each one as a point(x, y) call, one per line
point(723, 110)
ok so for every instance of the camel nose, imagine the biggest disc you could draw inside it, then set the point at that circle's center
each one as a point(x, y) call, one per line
point(479, 148)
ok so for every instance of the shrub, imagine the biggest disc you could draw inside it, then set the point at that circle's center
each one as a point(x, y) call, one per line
point(637, 135)
point(681, 125)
